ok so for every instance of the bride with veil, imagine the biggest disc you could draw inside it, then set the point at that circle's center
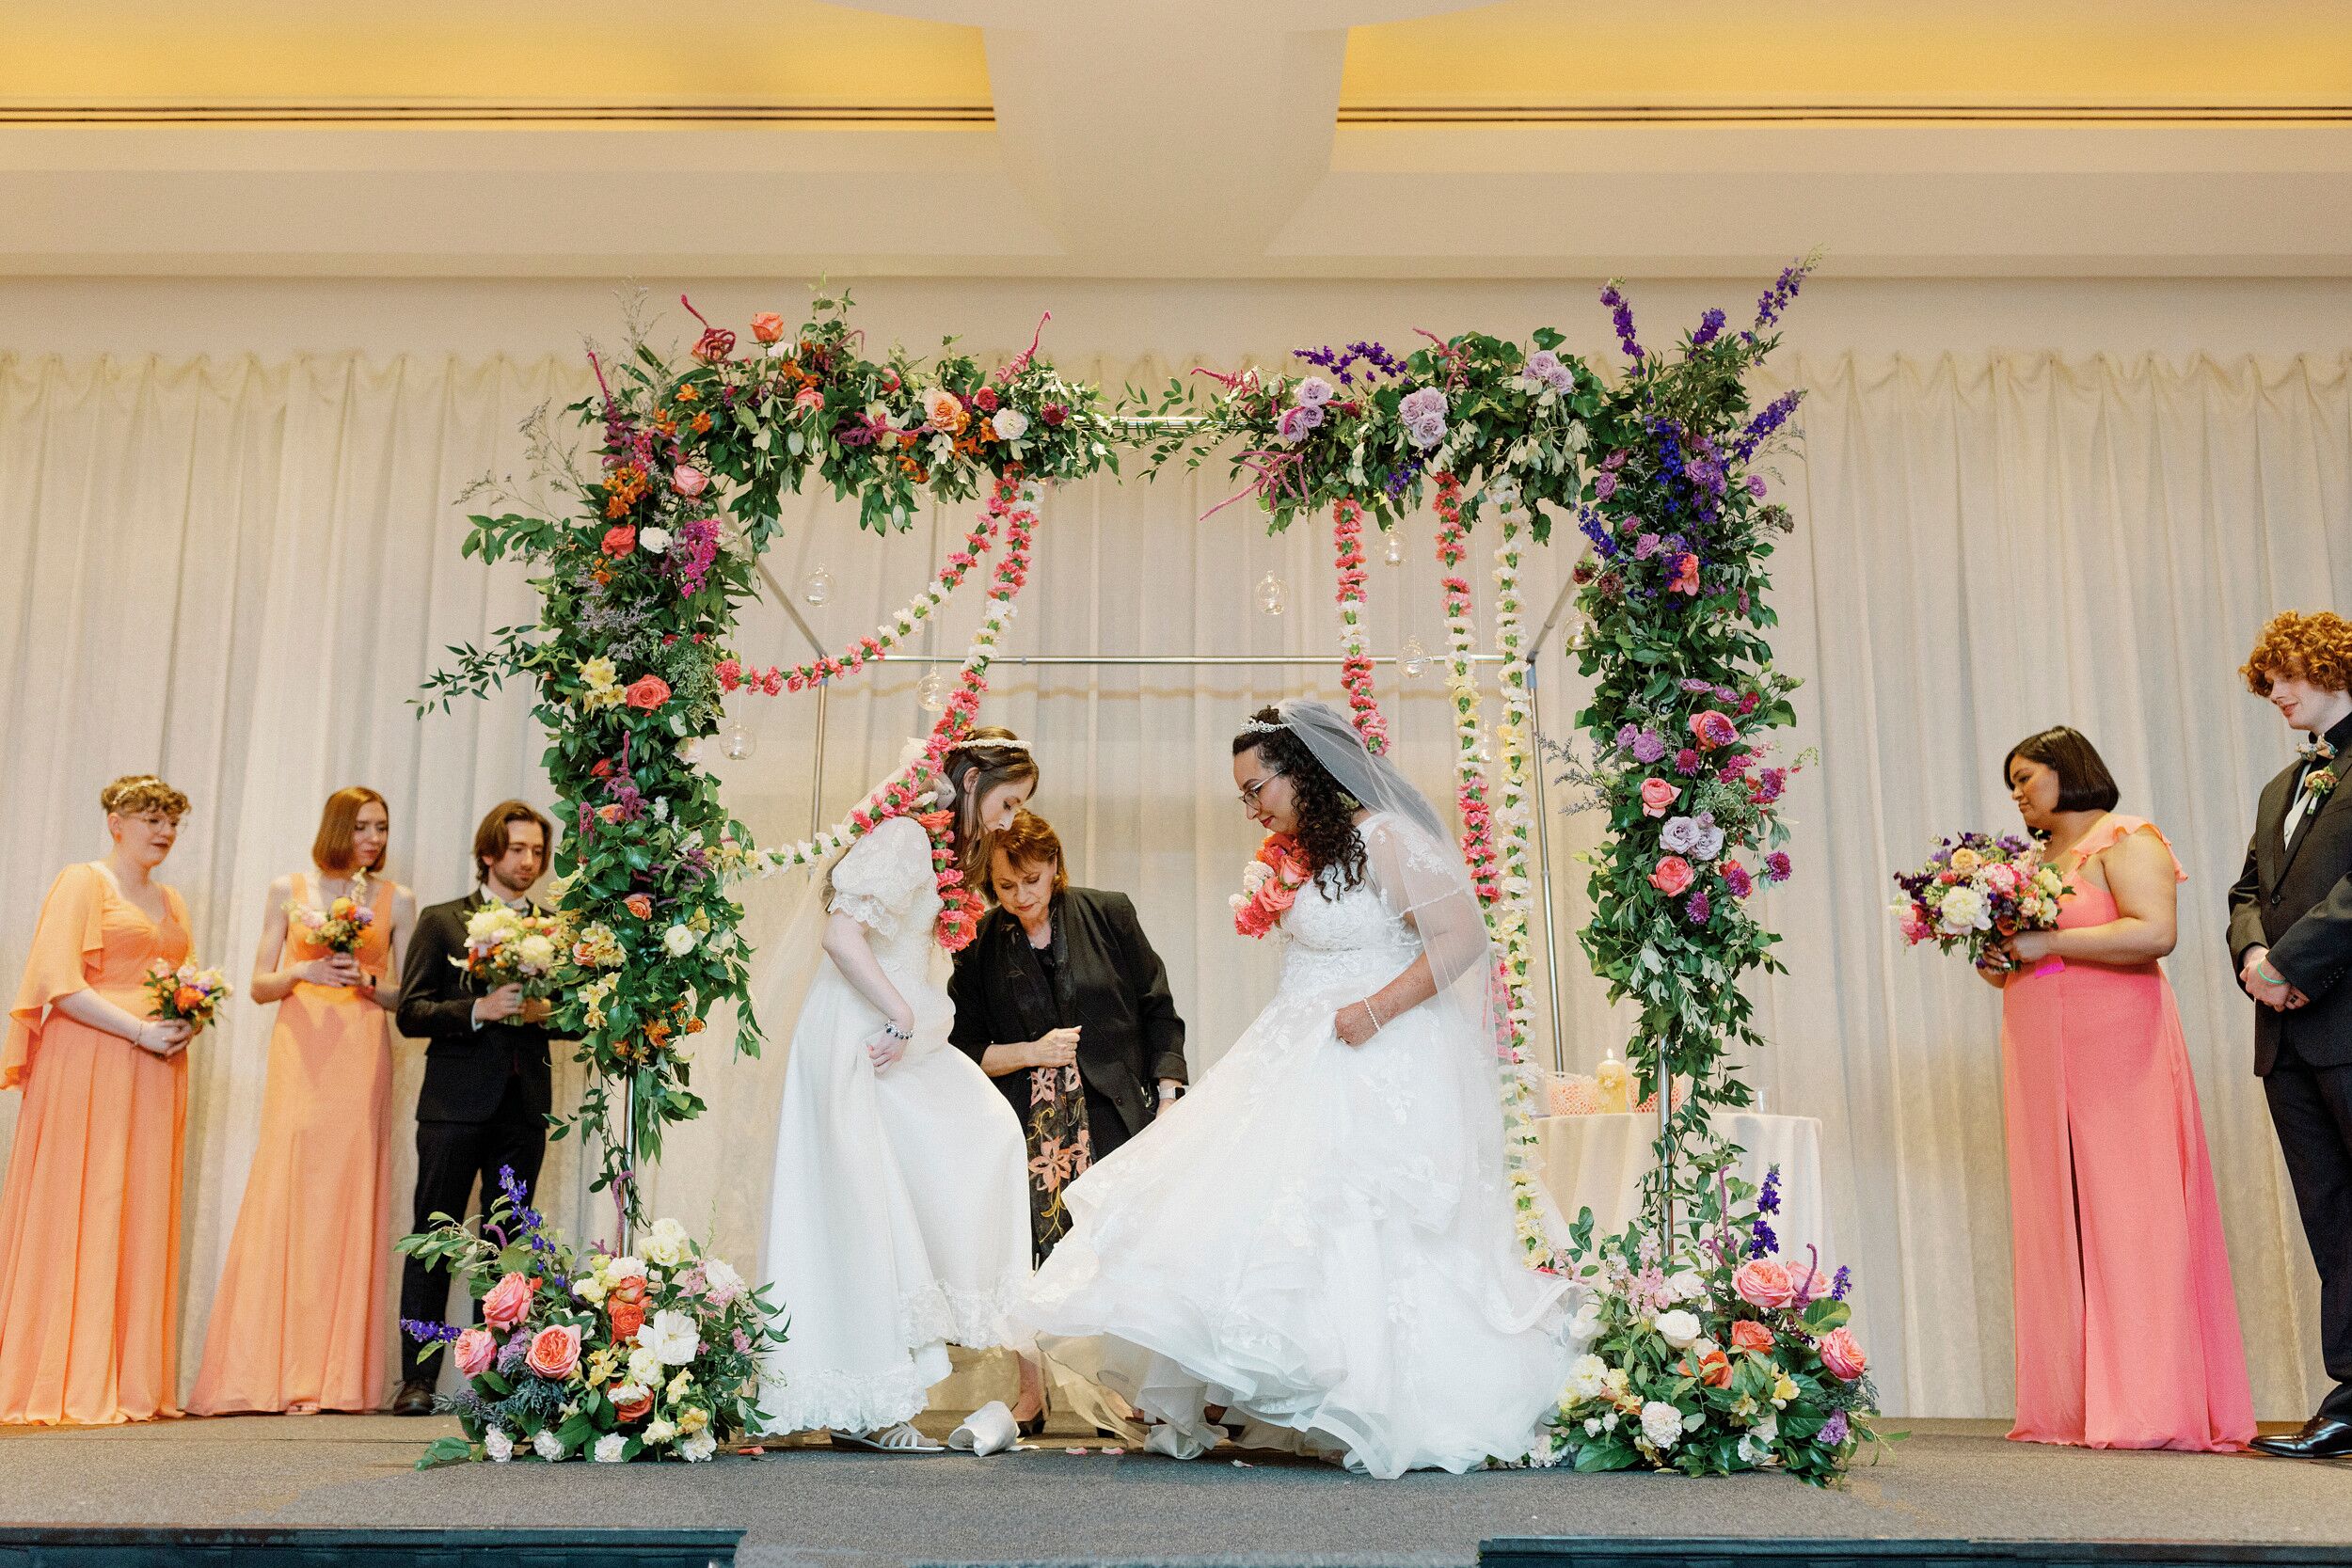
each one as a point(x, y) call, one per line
point(1321, 1237)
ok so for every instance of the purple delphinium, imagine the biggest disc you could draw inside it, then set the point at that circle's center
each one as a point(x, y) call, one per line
point(1784, 291)
point(1760, 429)
point(1371, 355)
point(1768, 1198)
point(1777, 866)
point(1763, 1241)
point(1590, 525)
point(1700, 909)
point(428, 1334)
point(1622, 316)
point(1841, 1284)
point(1648, 747)
point(1711, 325)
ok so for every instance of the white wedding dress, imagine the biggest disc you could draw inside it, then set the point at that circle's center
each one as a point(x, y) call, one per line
point(898, 1222)
point(1320, 1237)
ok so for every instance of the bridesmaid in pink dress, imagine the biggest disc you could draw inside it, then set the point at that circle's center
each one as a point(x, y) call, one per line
point(302, 1321)
point(2128, 1327)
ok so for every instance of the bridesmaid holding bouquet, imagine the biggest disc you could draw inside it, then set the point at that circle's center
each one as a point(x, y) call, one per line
point(2127, 1327)
point(299, 1324)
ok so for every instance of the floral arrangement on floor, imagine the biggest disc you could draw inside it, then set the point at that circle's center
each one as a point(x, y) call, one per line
point(1721, 1357)
point(603, 1357)
point(1977, 890)
point(187, 994)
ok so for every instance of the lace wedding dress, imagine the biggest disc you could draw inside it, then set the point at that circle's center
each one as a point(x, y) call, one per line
point(898, 1221)
point(1321, 1237)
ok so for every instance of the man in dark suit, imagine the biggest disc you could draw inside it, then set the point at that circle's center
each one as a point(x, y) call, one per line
point(2291, 939)
point(486, 1090)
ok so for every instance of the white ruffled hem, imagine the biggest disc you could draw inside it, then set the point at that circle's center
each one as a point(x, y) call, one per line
point(930, 1318)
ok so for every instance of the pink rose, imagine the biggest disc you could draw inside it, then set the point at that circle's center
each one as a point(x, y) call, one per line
point(1749, 1335)
point(1764, 1282)
point(508, 1300)
point(1841, 1356)
point(647, 693)
point(554, 1351)
point(808, 397)
point(1673, 876)
point(475, 1350)
point(1658, 797)
point(767, 326)
point(619, 541)
point(1713, 728)
point(1278, 895)
point(689, 480)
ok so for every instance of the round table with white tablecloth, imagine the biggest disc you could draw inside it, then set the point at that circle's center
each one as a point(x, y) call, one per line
point(1597, 1162)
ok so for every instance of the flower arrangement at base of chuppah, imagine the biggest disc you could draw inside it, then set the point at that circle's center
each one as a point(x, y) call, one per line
point(606, 1357)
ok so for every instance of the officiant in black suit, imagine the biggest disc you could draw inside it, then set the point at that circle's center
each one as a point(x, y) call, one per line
point(2291, 938)
point(1059, 978)
point(487, 1083)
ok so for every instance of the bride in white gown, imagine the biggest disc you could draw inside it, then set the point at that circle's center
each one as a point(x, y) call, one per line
point(898, 1221)
point(1321, 1237)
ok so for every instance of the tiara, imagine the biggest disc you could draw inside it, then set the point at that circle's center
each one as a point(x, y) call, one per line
point(1001, 743)
point(1255, 725)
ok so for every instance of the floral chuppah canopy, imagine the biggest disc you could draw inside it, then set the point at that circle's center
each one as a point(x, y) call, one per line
point(632, 657)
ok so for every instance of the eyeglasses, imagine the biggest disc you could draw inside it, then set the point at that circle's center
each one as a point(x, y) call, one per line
point(1249, 792)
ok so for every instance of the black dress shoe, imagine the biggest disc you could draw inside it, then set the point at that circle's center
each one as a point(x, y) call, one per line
point(2322, 1437)
point(414, 1399)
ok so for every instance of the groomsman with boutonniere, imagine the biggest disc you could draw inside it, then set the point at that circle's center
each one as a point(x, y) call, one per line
point(487, 1083)
point(2291, 939)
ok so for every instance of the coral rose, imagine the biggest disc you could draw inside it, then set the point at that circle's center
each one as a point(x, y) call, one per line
point(508, 1300)
point(635, 1409)
point(647, 693)
point(620, 541)
point(475, 1350)
point(689, 480)
point(628, 1316)
point(554, 1351)
point(1841, 1356)
point(1714, 1368)
point(639, 905)
point(767, 327)
point(1673, 876)
point(1658, 797)
point(1764, 1282)
point(1749, 1335)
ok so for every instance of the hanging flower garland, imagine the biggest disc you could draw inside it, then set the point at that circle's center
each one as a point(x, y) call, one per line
point(1517, 779)
point(732, 676)
point(1347, 530)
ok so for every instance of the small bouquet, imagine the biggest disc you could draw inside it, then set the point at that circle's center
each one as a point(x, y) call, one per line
point(340, 927)
point(1976, 891)
point(1269, 885)
point(505, 948)
point(590, 1356)
point(186, 994)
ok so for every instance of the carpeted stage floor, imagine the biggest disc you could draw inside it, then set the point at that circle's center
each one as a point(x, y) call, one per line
point(807, 1506)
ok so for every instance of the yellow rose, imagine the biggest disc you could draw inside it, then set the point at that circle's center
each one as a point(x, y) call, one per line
point(1965, 861)
point(692, 1419)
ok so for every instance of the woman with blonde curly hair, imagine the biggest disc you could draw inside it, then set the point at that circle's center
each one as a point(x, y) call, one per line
point(89, 1217)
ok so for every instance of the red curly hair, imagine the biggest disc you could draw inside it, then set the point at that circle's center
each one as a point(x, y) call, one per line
point(2317, 647)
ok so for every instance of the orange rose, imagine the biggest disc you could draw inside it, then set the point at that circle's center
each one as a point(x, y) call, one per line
point(1714, 1368)
point(628, 1287)
point(639, 905)
point(554, 1352)
point(1749, 1335)
point(636, 1409)
point(187, 999)
point(767, 326)
point(628, 1318)
point(647, 693)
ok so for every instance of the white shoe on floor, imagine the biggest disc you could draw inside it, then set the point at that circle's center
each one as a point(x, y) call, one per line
point(902, 1438)
point(1165, 1439)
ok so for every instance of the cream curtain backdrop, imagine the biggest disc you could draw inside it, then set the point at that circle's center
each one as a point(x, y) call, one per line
point(237, 572)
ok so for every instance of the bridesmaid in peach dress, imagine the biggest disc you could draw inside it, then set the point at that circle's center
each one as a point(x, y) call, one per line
point(2127, 1327)
point(301, 1322)
point(90, 1216)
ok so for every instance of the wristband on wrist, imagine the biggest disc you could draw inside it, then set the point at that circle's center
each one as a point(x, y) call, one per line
point(2263, 968)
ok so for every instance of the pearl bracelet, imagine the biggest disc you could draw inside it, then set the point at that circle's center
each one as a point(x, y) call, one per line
point(1373, 1013)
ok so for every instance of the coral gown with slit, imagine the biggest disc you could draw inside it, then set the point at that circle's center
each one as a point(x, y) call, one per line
point(89, 1217)
point(2128, 1325)
point(301, 1322)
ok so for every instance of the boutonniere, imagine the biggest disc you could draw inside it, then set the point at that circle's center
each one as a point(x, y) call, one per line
point(2320, 781)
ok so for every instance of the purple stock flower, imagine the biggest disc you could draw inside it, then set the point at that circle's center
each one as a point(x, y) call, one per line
point(1709, 324)
point(1648, 747)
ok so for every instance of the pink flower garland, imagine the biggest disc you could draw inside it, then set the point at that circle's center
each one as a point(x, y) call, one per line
point(1347, 528)
point(1478, 844)
point(1270, 885)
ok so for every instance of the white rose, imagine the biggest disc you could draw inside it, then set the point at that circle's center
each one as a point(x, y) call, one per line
point(671, 1336)
point(627, 1266)
point(700, 1445)
point(1588, 1376)
point(680, 941)
point(625, 1393)
point(608, 1448)
point(658, 1432)
point(548, 1446)
point(666, 1243)
point(1679, 1328)
point(1011, 424)
point(535, 952)
point(721, 1283)
point(484, 925)
point(1686, 1284)
point(1586, 1326)
point(1755, 1444)
point(1592, 1426)
point(1253, 877)
point(500, 1447)
point(644, 1362)
point(653, 539)
point(1662, 1423)
point(1964, 909)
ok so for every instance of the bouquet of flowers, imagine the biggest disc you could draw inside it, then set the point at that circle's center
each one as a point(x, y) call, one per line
point(186, 994)
point(507, 948)
point(340, 927)
point(596, 1356)
point(1269, 884)
point(1976, 891)
point(1723, 1357)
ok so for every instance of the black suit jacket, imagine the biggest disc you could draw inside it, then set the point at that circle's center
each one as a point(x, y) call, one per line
point(1112, 986)
point(2296, 900)
point(466, 1069)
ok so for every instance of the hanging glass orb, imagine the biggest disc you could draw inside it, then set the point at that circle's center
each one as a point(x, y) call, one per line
point(1393, 551)
point(1271, 594)
point(932, 691)
point(817, 586)
point(737, 742)
point(1413, 659)
point(1486, 752)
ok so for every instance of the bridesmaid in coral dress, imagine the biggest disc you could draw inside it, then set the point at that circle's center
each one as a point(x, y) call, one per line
point(90, 1216)
point(2127, 1327)
point(300, 1323)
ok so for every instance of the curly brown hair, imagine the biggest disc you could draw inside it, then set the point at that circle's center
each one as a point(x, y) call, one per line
point(2317, 647)
point(1326, 825)
point(136, 794)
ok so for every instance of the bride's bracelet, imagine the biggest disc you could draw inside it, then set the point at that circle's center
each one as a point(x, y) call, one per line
point(895, 1032)
point(1373, 1013)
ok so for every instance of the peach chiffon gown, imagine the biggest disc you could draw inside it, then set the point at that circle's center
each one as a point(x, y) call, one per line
point(301, 1320)
point(89, 1217)
point(2128, 1325)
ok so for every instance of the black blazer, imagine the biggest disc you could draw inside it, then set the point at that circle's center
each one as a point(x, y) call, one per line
point(2296, 899)
point(466, 1069)
point(1112, 986)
